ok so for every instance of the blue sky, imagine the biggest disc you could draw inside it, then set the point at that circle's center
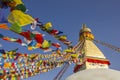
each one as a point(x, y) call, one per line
point(102, 16)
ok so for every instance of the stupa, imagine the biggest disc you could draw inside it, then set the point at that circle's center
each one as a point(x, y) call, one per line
point(94, 65)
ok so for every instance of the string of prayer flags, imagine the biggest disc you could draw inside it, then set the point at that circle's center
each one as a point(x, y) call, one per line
point(12, 39)
point(33, 43)
point(55, 33)
point(15, 65)
point(17, 40)
point(33, 35)
point(63, 38)
point(57, 45)
point(31, 64)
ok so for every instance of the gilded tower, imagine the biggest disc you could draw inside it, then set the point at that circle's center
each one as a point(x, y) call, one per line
point(92, 55)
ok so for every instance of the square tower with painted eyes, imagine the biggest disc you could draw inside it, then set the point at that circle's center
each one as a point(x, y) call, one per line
point(92, 55)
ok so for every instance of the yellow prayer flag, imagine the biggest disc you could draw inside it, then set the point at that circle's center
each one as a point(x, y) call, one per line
point(45, 44)
point(69, 50)
point(63, 37)
point(17, 16)
point(74, 55)
point(48, 25)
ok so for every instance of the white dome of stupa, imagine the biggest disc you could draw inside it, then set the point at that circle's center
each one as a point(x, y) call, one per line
point(95, 74)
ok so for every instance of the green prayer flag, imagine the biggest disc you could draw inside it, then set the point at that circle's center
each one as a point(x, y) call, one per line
point(16, 28)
